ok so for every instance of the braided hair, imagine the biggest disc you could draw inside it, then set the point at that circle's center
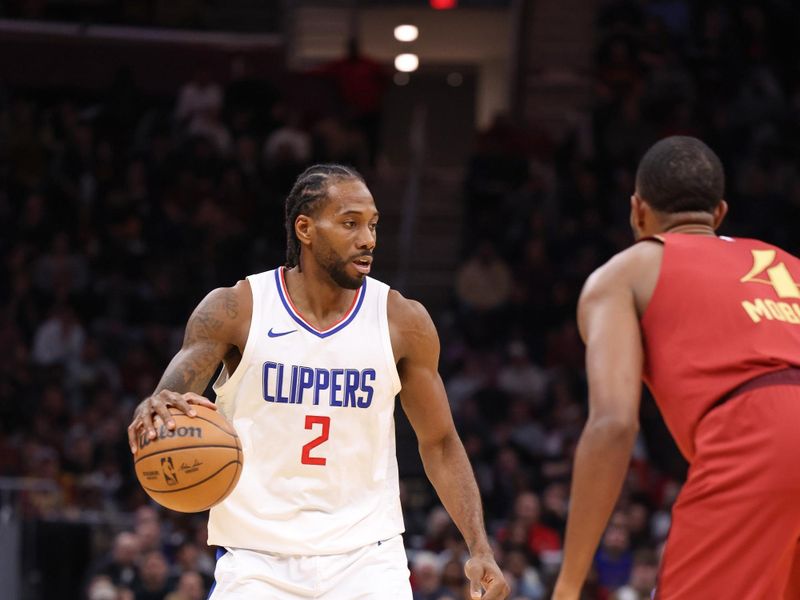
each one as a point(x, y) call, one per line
point(307, 193)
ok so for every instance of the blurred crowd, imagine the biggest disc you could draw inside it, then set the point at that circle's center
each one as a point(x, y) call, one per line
point(122, 211)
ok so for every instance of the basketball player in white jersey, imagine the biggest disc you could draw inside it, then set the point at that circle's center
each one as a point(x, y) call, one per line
point(313, 356)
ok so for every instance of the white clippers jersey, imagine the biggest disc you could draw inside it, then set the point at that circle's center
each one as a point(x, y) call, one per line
point(315, 414)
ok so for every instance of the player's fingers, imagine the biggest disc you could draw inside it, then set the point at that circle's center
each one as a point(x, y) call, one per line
point(474, 573)
point(180, 402)
point(161, 407)
point(193, 398)
point(496, 589)
point(133, 430)
point(146, 417)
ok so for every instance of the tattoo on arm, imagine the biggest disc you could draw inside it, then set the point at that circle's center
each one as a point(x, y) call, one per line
point(205, 344)
point(214, 313)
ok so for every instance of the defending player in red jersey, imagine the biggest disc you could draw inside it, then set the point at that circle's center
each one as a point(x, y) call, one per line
point(712, 325)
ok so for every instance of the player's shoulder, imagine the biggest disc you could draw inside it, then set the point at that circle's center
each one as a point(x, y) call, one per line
point(240, 292)
point(405, 313)
point(227, 305)
point(410, 326)
point(626, 267)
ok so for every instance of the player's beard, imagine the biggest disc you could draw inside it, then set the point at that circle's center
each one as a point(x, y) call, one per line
point(336, 267)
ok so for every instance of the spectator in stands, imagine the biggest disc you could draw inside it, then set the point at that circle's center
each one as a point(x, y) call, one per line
point(483, 282)
point(614, 559)
point(101, 588)
point(59, 340)
point(555, 503)
point(148, 529)
point(287, 150)
point(361, 83)
point(48, 499)
point(154, 582)
point(540, 539)
point(454, 582)
point(190, 587)
point(520, 377)
point(527, 583)
point(644, 574)
point(426, 577)
point(209, 126)
point(121, 567)
point(198, 97)
point(188, 558)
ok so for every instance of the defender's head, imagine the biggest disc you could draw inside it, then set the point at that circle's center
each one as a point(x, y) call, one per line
point(331, 222)
point(679, 181)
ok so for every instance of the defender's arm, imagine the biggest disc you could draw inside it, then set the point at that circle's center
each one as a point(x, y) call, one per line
point(609, 325)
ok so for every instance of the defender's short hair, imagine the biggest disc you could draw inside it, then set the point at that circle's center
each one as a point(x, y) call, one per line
point(680, 174)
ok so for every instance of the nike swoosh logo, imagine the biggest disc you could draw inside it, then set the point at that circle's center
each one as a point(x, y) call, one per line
point(272, 334)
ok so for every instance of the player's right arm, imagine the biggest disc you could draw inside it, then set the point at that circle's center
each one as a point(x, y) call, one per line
point(217, 328)
point(609, 324)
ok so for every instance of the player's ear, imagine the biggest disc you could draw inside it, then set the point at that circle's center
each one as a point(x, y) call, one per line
point(304, 228)
point(719, 213)
point(638, 211)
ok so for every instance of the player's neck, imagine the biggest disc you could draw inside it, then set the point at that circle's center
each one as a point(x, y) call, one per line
point(692, 229)
point(316, 296)
point(695, 223)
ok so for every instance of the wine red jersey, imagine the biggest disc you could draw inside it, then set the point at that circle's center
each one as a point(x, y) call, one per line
point(724, 310)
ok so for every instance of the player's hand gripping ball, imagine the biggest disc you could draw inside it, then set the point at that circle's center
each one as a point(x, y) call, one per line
point(192, 467)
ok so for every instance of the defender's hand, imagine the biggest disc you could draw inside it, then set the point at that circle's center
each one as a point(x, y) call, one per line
point(483, 572)
point(152, 412)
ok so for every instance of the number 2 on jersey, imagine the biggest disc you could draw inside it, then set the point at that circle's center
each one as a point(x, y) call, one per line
point(312, 420)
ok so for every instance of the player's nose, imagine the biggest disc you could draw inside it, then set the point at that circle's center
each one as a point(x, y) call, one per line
point(367, 240)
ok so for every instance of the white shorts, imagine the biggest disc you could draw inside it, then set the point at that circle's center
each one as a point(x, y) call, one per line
point(375, 572)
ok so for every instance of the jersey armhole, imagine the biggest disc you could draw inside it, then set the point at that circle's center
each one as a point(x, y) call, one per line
point(386, 336)
point(658, 238)
point(656, 296)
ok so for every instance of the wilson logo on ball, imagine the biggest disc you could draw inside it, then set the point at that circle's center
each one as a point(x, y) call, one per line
point(164, 433)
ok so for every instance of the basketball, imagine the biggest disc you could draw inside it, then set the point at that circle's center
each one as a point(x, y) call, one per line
point(192, 467)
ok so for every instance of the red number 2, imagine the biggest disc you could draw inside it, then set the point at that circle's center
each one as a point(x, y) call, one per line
point(312, 420)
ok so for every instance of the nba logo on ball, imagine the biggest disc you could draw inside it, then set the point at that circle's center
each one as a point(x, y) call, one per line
point(168, 469)
point(205, 450)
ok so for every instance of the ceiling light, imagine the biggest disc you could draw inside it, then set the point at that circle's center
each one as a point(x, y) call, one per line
point(406, 33)
point(406, 63)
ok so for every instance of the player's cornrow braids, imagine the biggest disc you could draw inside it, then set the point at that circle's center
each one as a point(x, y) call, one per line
point(310, 188)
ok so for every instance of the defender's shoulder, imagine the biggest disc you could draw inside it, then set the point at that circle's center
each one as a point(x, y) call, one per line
point(631, 275)
point(627, 265)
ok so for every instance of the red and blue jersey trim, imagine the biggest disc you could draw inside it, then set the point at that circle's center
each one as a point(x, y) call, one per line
point(283, 294)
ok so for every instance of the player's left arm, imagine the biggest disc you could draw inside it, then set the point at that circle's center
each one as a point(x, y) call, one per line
point(424, 401)
point(609, 325)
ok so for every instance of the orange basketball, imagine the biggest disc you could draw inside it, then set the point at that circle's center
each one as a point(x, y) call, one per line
point(192, 467)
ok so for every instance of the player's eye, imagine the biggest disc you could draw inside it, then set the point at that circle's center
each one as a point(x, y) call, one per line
point(373, 226)
point(349, 224)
